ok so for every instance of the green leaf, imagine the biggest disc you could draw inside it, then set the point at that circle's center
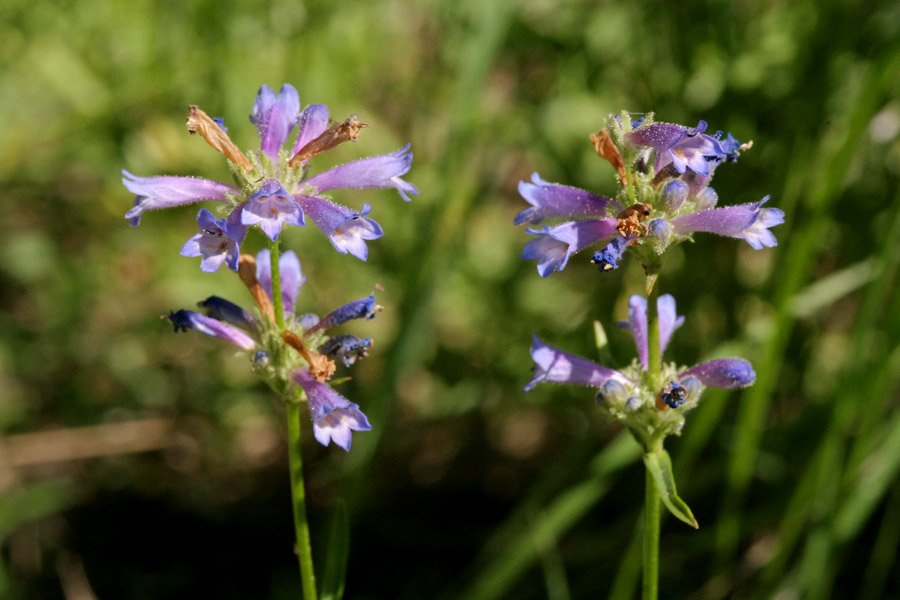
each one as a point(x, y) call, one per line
point(336, 559)
point(660, 466)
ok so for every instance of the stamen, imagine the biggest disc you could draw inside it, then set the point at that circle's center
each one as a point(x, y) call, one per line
point(336, 134)
point(320, 366)
point(200, 122)
point(247, 273)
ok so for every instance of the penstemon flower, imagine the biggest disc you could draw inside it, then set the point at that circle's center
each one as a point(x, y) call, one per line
point(312, 365)
point(295, 354)
point(664, 171)
point(649, 406)
point(666, 196)
point(274, 189)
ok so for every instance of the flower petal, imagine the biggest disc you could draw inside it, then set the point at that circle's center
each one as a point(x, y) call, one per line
point(169, 191)
point(749, 222)
point(275, 117)
point(346, 229)
point(555, 245)
point(375, 172)
point(188, 319)
point(725, 373)
point(555, 366)
point(334, 417)
point(554, 200)
point(212, 243)
point(292, 278)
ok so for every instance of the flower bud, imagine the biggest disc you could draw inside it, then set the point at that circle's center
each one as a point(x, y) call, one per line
point(659, 232)
point(706, 199)
point(674, 193)
point(633, 404)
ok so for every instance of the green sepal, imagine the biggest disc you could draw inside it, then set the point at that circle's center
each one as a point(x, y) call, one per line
point(660, 466)
point(338, 551)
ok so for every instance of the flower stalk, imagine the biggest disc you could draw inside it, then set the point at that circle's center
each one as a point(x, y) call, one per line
point(298, 500)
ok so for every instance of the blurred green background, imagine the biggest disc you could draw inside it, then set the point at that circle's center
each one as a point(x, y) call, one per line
point(139, 464)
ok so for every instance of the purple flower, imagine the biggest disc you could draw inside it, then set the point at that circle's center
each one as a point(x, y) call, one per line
point(749, 222)
point(725, 373)
point(223, 310)
point(188, 319)
point(682, 147)
point(271, 207)
point(347, 229)
point(669, 321)
point(554, 245)
point(214, 243)
point(334, 417)
point(275, 117)
point(364, 308)
point(292, 277)
point(166, 192)
point(554, 200)
point(270, 179)
point(552, 365)
point(375, 172)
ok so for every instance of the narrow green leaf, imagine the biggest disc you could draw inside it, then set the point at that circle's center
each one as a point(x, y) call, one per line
point(660, 466)
point(338, 551)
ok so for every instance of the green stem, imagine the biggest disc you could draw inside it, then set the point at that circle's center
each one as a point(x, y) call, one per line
point(651, 494)
point(274, 258)
point(295, 448)
point(650, 585)
point(298, 496)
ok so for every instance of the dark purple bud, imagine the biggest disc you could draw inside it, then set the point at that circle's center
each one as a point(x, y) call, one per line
point(223, 310)
point(364, 308)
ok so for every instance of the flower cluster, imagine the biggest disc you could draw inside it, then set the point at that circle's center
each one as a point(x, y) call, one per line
point(665, 171)
point(312, 363)
point(295, 354)
point(273, 188)
point(651, 405)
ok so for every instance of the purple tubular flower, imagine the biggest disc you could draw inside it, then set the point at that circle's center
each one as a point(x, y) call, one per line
point(223, 310)
point(684, 148)
point(608, 258)
point(347, 229)
point(375, 172)
point(346, 347)
point(334, 417)
point(212, 243)
point(270, 208)
point(749, 222)
point(275, 117)
point(188, 319)
point(312, 123)
point(364, 308)
point(554, 200)
point(669, 321)
point(555, 245)
point(292, 277)
point(725, 373)
point(169, 191)
point(552, 365)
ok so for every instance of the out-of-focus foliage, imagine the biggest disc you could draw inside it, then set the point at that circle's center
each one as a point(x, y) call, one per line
point(467, 488)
